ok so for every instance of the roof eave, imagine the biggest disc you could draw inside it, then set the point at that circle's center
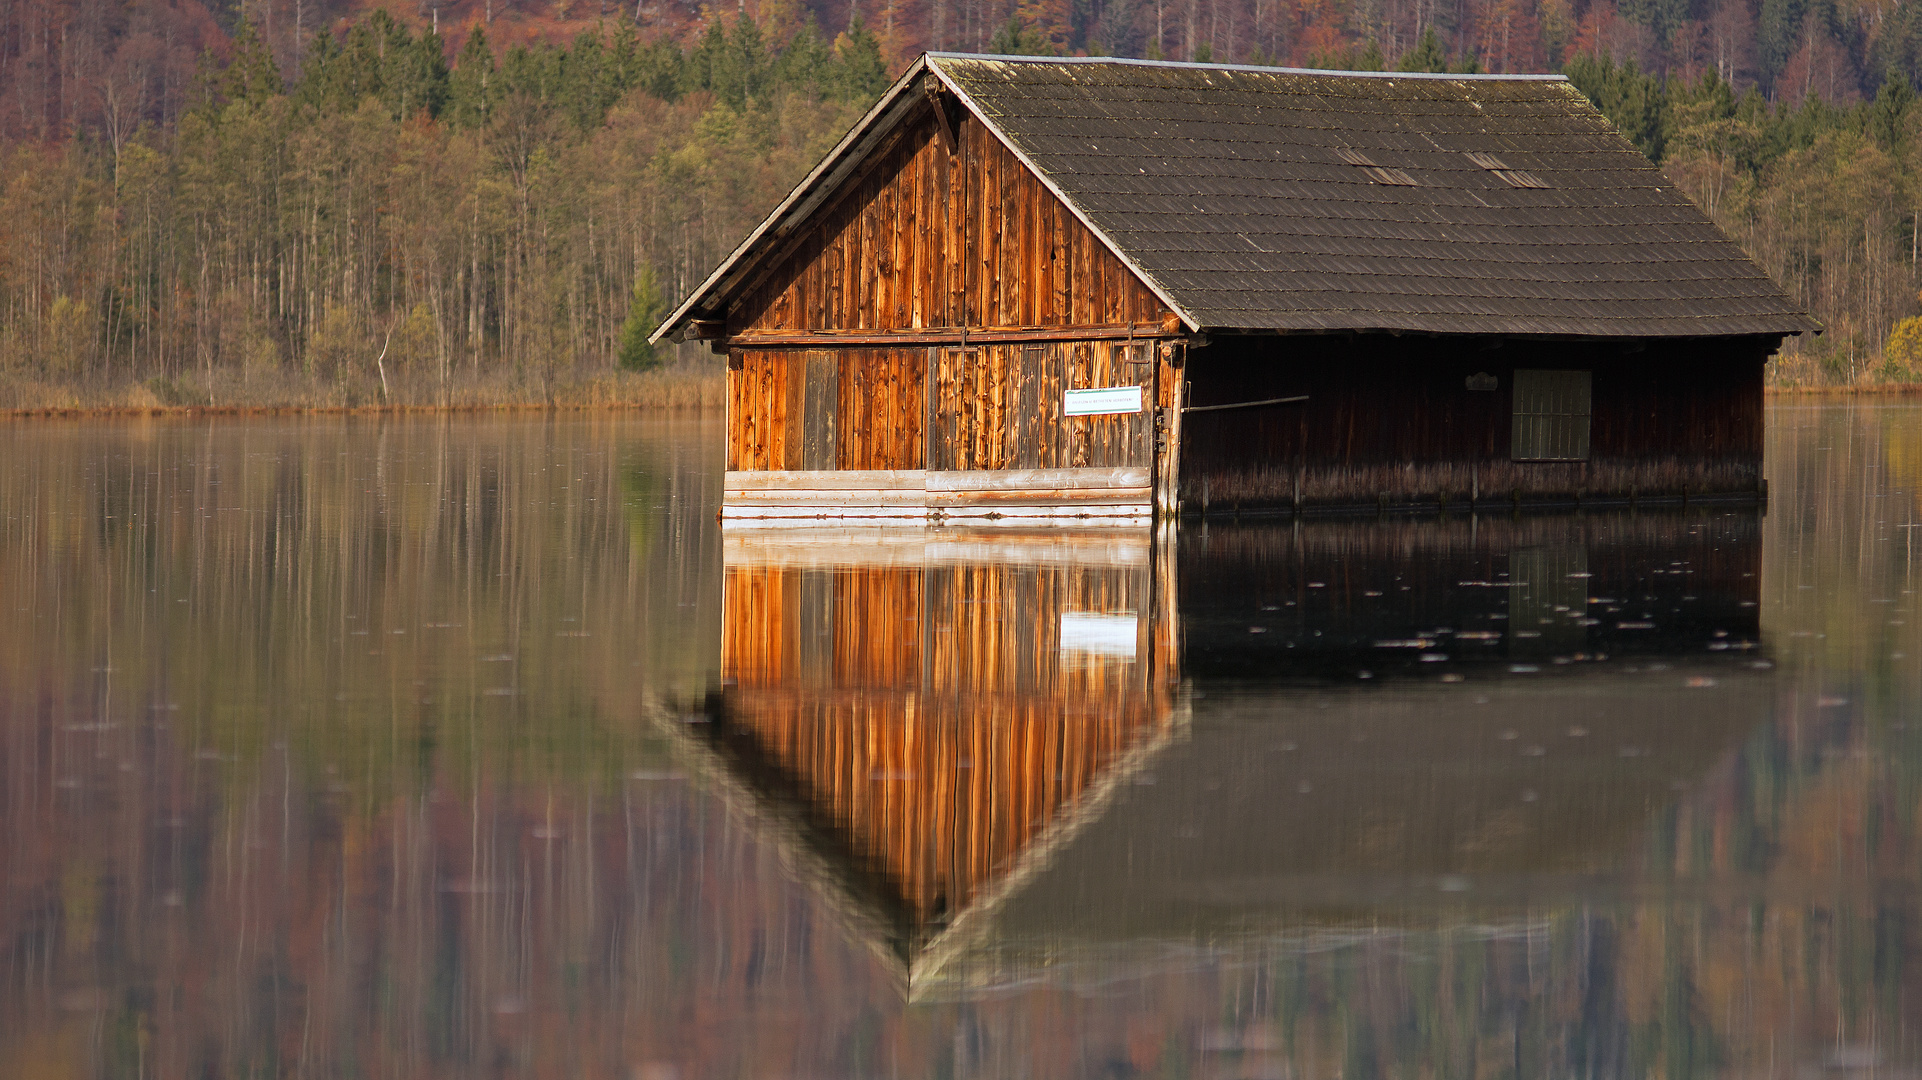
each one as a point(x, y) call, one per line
point(1786, 328)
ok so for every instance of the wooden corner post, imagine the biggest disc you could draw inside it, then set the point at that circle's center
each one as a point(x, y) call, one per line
point(1170, 360)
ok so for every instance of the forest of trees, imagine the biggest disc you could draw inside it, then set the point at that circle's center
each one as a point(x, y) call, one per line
point(397, 224)
point(388, 215)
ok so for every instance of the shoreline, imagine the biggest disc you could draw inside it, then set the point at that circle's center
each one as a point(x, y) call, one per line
point(230, 392)
point(1885, 390)
point(80, 412)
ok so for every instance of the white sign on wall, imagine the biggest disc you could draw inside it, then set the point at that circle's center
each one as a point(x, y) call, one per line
point(1100, 633)
point(1102, 401)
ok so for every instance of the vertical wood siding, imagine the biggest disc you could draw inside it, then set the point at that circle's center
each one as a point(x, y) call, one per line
point(1000, 406)
point(942, 728)
point(864, 407)
point(993, 407)
point(929, 241)
point(1394, 417)
point(882, 404)
point(925, 240)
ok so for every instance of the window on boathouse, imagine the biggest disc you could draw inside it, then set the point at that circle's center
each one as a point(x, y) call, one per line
point(1551, 416)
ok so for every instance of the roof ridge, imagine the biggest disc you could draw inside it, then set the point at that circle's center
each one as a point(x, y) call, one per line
point(1254, 68)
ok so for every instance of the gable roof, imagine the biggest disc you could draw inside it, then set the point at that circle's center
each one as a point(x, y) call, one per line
point(1277, 199)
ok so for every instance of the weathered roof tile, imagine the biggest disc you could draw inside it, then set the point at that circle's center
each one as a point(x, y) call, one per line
point(1276, 199)
point(1248, 197)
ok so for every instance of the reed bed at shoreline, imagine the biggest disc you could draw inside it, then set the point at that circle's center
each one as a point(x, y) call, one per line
point(683, 386)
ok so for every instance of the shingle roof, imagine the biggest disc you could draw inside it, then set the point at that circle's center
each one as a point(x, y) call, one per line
point(1287, 200)
point(1278, 199)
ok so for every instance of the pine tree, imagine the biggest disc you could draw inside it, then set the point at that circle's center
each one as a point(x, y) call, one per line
point(741, 70)
point(1427, 55)
point(584, 82)
point(643, 315)
point(529, 73)
point(317, 73)
point(698, 72)
point(1636, 103)
point(1888, 114)
point(1778, 30)
point(252, 76)
point(413, 71)
point(807, 61)
point(623, 57)
point(473, 90)
point(659, 69)
point(356, 74)
point(1016, 39)
point(860, 73)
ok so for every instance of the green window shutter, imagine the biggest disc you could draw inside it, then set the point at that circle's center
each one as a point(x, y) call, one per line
point(1551, 416)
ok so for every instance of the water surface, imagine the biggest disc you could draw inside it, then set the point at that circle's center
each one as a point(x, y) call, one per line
point(458, 746)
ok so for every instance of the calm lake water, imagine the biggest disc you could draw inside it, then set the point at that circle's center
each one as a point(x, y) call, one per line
point(459, 747)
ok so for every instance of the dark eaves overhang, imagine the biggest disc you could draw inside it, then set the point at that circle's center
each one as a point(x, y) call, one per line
point(708, 304)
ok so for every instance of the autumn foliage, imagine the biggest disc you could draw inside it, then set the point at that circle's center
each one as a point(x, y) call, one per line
point(283, 202)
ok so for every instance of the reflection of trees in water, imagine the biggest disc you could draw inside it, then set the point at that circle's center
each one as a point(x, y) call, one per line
point(283, 882)
point(258, 670)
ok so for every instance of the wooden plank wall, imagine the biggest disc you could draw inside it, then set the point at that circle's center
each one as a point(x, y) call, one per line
point(874, 421)
point(945, 729)
point(1395, 416)
point(757, 409)
point(927, 240)
point(994, 406)
point(882, 408)
point(1000, 407)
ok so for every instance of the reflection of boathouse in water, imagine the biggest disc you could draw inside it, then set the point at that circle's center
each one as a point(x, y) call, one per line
point(1029, 287)
point(997, 751)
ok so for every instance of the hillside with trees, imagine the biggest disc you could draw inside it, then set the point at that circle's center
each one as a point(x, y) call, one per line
point(301, 204)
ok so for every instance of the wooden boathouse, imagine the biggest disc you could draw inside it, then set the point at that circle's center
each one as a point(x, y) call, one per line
point(1104, 290)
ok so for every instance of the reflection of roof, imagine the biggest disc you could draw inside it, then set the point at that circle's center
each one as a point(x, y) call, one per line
point(816, 842)
point(1278, 199)
point(923, 717)
point(1297, 816)
point(1367, 805)
point(975, 811)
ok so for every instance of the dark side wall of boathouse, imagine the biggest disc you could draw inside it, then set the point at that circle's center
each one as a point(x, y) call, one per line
point(1395, 418)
